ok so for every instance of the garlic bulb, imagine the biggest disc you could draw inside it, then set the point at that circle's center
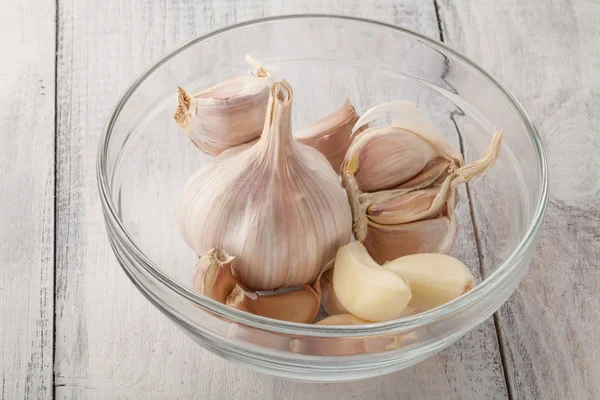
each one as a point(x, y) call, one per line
point(434, 279)
point(227, 114)
point(277, 205)
point(365, 289)
point(331, 135)
point(401, 181)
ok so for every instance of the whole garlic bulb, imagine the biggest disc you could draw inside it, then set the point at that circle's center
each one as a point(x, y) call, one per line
point(277, 205)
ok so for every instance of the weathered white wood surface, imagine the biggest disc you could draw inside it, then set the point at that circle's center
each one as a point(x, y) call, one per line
point(103, 348)
point(546, 52)
point(26, 198)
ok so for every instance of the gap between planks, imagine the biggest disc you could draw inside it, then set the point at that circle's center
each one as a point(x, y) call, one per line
point(54, 261)
point(499, 336)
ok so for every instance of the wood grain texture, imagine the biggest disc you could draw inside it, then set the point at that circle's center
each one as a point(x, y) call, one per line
point(546, 53)
point(110, 342)
point(26, 198)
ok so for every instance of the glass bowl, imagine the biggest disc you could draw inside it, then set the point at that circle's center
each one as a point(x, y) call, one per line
point(144, 160)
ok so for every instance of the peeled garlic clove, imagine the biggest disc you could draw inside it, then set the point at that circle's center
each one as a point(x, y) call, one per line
point(212, 275)
point(365, 289)
point(329, 300)
point(385, 157)
point(331, 135)
point(301, 305)
point(342, 319)
point(434, 279)
point(334, 308)
point(227, 114)
point(277, 205)
point(399, 207)
point(388, 242)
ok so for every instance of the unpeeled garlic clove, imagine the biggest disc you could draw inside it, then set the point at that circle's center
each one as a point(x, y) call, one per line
point(301, 305)
point(393, 207)
point(388, 242)
point(277, 205)
point(228, 114)
point(342, 319)
point(385, 157)
point(365, 289)
point(329, 300)
point(331, 135)
point(434, 279)
point(406, 115)
point(212, 275)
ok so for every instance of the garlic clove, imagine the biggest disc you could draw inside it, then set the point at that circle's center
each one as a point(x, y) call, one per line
point(400, 207)
point(301, 305)
point(365, 289)
point(332, 305)
point(342, 319)
point(277, 205)
point(434, 279)
point(385, 157)
point(225, 115)
point(406, 115)
point(212, 275)
point(434, 173)
point(329, 300)
point(331, 135)
point(388, 242)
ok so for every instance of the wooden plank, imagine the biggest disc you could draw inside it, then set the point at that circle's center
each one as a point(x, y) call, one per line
point(110, 342)
point(26, 199)
point(546, 53)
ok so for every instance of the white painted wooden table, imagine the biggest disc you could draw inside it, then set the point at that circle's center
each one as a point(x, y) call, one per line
point(73, 326)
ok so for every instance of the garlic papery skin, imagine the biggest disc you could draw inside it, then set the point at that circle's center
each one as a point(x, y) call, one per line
point(212, 275)
point(388, 242)
point(401, 206)
point(435, 235)
point(365, 289)
point(227, 114)
point(277, 205)
point(435, 279)
point(329, 300)
point(331, 135)
point(301, 305)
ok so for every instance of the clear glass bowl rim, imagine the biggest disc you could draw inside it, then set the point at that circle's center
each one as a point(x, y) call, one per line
point(482, 290)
